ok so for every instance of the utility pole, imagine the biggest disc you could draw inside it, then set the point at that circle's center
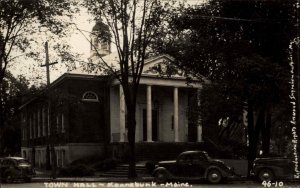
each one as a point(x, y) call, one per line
point(50, 132)
point(47, 65)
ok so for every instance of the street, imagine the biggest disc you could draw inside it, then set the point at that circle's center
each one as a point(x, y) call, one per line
point(237, 184)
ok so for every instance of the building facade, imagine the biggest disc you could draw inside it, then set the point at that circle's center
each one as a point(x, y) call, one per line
point(83, 114)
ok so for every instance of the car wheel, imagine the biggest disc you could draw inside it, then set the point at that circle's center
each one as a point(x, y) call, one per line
point(160, 177)
point(214, 176)
point(27, 180)
point(265, 175)
point(9, 178)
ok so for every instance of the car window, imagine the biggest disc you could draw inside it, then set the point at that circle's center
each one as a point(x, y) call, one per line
point(187, 158)
point(23, 162)
point(10, 163)
point(4, 162)
point(201, 157)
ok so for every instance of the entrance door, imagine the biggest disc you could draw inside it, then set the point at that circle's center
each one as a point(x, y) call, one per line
point(192, 132)
point(154, 125)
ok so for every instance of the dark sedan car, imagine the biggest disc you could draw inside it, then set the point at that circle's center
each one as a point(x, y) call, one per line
point(270, 168)
point(15, 168)
point(192, 165)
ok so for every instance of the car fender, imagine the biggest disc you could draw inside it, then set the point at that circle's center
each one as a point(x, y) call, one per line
point(16, 173)
point(161, 169)
point(224, 174)
point(277, 171)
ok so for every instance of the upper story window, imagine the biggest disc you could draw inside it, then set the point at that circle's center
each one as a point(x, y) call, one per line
point(90, 96)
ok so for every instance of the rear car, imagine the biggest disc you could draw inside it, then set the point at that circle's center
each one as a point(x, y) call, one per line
point(15, 168)
point(272, 168)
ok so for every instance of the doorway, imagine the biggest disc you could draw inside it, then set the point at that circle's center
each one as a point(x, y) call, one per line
point(155, 118)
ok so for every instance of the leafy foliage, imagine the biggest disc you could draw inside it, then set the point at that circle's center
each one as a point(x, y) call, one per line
point(13, 89)
point(21, 21)
point(242, 47)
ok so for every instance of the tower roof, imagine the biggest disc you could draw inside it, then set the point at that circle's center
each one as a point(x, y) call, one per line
point(100, 26)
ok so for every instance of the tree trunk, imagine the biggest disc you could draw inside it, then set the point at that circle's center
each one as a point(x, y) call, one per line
point(1, 121)
point(48, 153)
point(251, 147)
point(131, 140)
point(53, 160)
point(266, 134)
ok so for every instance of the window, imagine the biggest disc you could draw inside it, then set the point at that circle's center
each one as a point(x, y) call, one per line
point(38, 124)
point(57, 122)
point(48, 123)
point(23, 133)
point(34, 126)
point(44, 121)
point(63, 154)
point(104, 45)
point(62, 123)
point(172, 122)
point(90, 96)
point(30, 127)
point(24, 154)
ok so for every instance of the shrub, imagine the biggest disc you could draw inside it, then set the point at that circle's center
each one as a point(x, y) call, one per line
point(88, 160)
point(150, 166)
point(77, 170)
point(105, 165)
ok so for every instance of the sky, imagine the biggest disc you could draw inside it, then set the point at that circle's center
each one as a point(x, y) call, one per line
point(79, 44)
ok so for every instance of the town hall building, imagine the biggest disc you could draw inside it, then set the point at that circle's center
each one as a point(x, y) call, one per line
point(84, 114)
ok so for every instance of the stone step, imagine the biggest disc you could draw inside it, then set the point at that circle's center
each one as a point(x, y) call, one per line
point(122, 171)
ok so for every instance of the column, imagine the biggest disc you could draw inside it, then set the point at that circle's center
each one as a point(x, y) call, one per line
point(122, 115)
point(199, 123)
point(149, 115)
point(176, 132)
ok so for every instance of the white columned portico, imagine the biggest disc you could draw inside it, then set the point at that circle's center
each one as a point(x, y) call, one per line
point(149, 114)
point(199, 123)
point(176, 132)
point(122, 114)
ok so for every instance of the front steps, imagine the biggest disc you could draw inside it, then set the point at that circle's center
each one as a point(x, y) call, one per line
point(122, 171)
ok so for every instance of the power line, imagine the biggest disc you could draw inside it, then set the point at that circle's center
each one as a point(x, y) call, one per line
point(238, 19)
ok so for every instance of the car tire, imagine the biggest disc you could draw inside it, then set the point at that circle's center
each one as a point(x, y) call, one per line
point(27, 180)
point(160, 177)
point(265, 175)
point(214, 176)
point(9, 178)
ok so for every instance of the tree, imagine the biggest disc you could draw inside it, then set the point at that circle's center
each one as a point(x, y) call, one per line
point(241, 46)
point(15, 89)
point(19, 21)
point(132, 24)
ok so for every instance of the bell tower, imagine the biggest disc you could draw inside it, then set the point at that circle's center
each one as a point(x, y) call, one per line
point(100, 40)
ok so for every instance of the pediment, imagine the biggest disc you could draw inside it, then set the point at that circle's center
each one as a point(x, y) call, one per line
point(161, 65)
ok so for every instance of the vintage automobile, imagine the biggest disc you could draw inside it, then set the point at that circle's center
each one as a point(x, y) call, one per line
point(192, 165)
point(15, 168)
point(271, 168)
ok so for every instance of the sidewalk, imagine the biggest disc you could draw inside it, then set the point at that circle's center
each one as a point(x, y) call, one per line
point(90, 179)
point(45, 176)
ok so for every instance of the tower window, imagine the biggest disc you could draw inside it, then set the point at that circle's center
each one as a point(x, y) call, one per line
point(90, 96)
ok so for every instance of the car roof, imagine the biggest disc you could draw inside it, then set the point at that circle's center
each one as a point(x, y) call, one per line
point(192, 152)
point(15, 158)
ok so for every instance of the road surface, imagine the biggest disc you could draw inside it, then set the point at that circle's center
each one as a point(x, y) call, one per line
point(240, 184)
